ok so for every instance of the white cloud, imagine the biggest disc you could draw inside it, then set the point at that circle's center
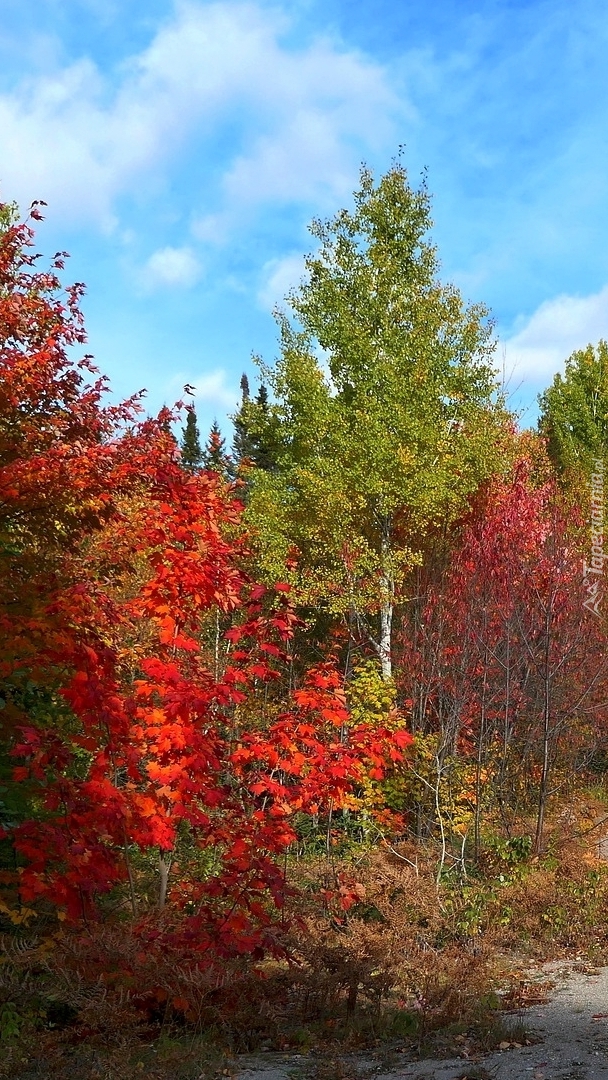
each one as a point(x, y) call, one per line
point(543, 342)
point(55, 143)
point(173, 267)
point(278, 277)
point(211, 390)
point(319, 100)
point(79, 138)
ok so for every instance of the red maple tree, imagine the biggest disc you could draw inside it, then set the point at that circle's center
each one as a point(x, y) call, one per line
point(120, 563)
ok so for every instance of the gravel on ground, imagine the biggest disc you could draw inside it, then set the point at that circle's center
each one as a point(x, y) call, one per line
point(571, 1027)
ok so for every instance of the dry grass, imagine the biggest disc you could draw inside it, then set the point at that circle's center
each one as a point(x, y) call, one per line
point(410, 965)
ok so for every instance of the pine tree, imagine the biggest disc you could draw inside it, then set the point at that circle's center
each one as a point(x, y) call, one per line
point(192, 454)
point(215, 457)
point(242, 446)
point(267, 444)
point(252, 439)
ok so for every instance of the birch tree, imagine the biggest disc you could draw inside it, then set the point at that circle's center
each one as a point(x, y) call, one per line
point(383, 415)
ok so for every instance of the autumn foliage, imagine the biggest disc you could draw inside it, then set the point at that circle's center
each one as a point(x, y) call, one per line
point(140, 660)
point(503, 664)
point(209, 773)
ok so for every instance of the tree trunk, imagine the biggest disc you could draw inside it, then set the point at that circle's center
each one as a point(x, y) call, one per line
point(386, 624)
point(544, 777)
point(129, 874)
point(547, 733)
point(387, 603)
point(165, 859)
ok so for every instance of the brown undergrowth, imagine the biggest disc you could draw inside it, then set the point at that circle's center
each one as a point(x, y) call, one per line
point(409, 963)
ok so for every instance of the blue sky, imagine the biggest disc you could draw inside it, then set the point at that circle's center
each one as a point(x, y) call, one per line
point(183, 147)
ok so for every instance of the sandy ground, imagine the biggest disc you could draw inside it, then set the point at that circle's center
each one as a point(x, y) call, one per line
point(571, 1026)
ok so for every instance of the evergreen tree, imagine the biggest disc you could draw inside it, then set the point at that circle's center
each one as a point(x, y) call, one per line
point(253, 433)
point(241, 444)
point(192, 454)
point(215, 457)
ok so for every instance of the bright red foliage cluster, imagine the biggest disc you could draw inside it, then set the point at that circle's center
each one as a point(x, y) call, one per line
point(128, 607)
point(506, 663)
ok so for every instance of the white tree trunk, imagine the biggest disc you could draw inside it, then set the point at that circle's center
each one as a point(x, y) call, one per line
point(384, 642)
point(387, 601)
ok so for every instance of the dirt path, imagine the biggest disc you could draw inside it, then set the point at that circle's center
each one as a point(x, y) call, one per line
point(572, 1026)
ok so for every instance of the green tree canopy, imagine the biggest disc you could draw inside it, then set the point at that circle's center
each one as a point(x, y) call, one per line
point(191, 451)
point(214, 455)
point(574, 411)
point(253, 440)
point(384, 416)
